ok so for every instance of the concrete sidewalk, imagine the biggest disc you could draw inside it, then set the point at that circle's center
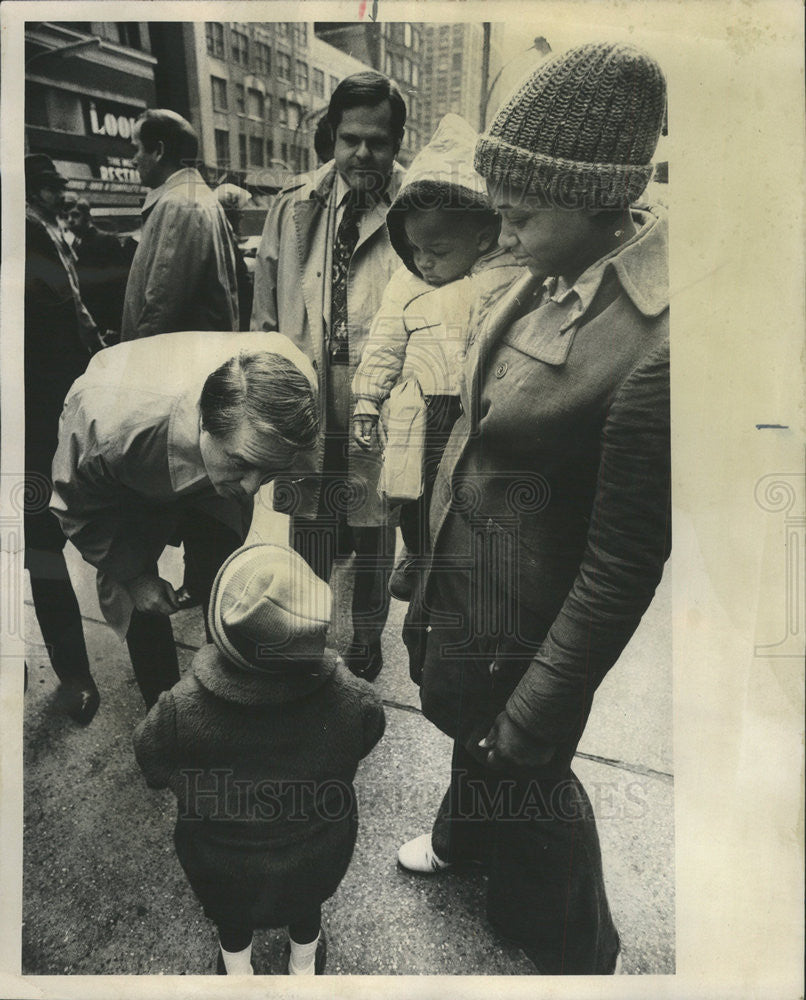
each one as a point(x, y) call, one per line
point(103, 892)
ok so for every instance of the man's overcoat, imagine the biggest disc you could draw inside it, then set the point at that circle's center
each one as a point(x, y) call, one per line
point(292, 278)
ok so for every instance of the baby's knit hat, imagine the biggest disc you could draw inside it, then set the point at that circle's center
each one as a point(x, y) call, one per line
point(581, 130)
point(268, 609)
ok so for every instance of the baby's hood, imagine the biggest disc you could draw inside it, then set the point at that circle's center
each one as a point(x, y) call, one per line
point(444, 166)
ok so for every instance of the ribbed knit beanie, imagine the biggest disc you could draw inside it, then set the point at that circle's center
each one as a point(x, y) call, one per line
point(268, 609)
point(581, 130)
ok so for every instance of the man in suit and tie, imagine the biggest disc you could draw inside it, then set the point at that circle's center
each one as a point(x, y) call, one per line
point(323, 263)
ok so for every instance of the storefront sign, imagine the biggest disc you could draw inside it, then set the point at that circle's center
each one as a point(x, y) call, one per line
point(107, 118)
point(117, 169)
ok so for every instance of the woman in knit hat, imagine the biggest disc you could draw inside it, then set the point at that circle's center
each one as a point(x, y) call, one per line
point(260, 742)
point(550, 519)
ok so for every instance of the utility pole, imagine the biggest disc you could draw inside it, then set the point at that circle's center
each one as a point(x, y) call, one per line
point(485, 74)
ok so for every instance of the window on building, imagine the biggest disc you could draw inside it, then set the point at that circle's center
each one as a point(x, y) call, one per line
point(415, 39)
point(387, 64)
point(269, 151)
point(294, 114)
point(219, 93)
point(282, 111)
point(242, 151)
point(215, 39)
point(240, 47)
point(300, 30)
point(302, 75)
point(415, 75)
point(255, 103)
point(457, 60)
point(129, 34)
point(62, 111)
point(318, 83)
point(222, 148)
point(256, 150)
point(240, 98)
point(284, 152)
point(281, 27)
point(267, 107)
point(262, 58)
point(407, 35)
point(283, 65)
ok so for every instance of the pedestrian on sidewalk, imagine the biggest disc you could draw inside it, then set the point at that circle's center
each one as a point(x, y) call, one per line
point(103, 269)
point(260, 743)
point(550, 519)
point(60, 338)
point(323, 263)
point(173, 436)
point(182, 276)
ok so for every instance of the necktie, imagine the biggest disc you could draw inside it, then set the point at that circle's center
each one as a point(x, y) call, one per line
point(346, 239)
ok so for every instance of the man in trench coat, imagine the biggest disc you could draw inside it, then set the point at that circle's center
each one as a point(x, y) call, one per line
point(322, 289)
point(165, 435)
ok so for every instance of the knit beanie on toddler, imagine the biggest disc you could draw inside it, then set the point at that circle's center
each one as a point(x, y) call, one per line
point(268, 608)
point(581, 130)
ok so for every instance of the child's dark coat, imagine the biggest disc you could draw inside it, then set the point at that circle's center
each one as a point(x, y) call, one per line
point(262, 768)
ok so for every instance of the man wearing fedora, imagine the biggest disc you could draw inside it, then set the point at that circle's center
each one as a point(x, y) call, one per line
point(60, 338)
point(169, 437)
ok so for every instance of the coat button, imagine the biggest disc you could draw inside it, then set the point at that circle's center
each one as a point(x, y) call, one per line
point(501, 370)
point(314, 365)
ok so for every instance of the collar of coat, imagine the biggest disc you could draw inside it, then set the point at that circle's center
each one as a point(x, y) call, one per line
point(184, 454)
point(640, 265)
point(223, 679)
point(188, 177)
point(317, 184)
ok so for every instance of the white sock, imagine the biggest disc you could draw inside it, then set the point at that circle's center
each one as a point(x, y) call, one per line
point(303, 958)
point(238, 963)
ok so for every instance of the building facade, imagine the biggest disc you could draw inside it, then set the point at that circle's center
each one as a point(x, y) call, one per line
point(85, 85)
point(254, 92)
point(452, 78)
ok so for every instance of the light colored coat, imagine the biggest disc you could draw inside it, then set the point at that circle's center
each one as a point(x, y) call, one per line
point(129, 451)
point(291, 277)
point(183, 273)
point(420, 330)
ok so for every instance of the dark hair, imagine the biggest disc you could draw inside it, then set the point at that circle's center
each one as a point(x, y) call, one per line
point(368, 89)
point(266, 389)
point(323, 140)
point(179, 142)
point(83, 206)
point(465, 206)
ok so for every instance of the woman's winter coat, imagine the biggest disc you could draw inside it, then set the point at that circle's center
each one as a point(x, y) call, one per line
point(262, 770)
point(559, 470)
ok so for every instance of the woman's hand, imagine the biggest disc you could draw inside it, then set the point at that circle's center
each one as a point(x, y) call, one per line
point(152, 595)
point(363, 425)
point(508, 746)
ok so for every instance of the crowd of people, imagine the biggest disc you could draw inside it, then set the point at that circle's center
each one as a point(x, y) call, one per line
point(474, 350)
